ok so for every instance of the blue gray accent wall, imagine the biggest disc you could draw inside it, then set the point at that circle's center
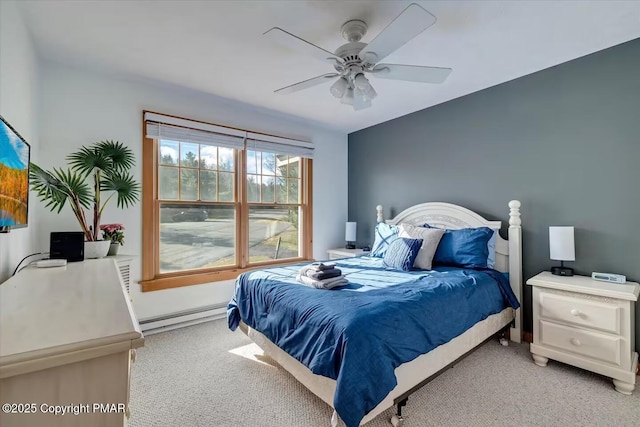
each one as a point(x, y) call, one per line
point(564, 141)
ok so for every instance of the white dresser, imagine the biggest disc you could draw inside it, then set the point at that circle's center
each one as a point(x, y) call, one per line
point(67, 339)
point(586, 323)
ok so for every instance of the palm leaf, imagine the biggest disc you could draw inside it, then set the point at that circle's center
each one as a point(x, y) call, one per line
point(76, 186)
point(121, 157)
point(125, 186)
point(87, 159)
point(49, 188)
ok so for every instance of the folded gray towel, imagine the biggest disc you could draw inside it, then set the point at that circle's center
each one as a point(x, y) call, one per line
point(322, 266)
point(321, 275)
point(309, 269)
point(322, 284)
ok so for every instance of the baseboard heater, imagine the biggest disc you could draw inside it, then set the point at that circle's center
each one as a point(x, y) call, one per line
point(183, 318)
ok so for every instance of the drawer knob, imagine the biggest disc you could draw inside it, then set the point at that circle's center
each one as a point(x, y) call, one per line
point(575, 312)
point(576, 342)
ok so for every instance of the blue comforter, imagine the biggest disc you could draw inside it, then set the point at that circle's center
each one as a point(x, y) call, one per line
point(358, 334)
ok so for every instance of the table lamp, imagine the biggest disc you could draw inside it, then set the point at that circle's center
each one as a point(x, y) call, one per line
point(350, 235)
point(562, 248)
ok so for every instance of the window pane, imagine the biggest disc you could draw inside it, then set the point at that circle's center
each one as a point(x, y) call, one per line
point(281, 164)
point(253, 188)
point(208, 185)
point(253, 161)
point(167, 183)
point(268, 189)
point(268, 164)
point(208, 157)
point(273, 233)
point(281, 190)
point(189, 154)
point(188, 184)
point(168, 152)
point(293, 187)
point(225, 159)
point(196, 236)
point(225, 186)
point(294, 167)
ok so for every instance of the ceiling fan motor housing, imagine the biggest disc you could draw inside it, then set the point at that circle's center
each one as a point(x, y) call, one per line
point(349, 53)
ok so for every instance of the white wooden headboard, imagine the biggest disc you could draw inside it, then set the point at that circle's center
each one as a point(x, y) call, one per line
point(447, 215)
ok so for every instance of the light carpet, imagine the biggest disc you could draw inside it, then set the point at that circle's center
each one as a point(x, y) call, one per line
point(206, 375)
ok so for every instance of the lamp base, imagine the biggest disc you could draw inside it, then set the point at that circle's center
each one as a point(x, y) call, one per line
point(350, 246)
point(562, 271)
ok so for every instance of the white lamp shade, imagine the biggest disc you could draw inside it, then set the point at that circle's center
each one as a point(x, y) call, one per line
point(350, 232)
point(561, 244)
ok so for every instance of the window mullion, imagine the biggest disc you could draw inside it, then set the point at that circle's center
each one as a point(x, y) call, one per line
point(243, 210)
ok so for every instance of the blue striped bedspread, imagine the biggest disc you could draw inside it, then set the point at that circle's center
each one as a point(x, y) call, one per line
point(358, 334)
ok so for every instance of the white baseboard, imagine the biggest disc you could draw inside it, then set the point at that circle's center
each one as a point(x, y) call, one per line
point(182, 319)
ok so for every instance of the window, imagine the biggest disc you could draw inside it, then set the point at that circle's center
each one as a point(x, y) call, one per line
point(219, 201)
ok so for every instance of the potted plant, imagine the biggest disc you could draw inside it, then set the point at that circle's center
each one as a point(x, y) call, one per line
point(107, 164)
point(114, 233)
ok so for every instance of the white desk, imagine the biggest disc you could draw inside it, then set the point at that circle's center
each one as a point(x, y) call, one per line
point(66, 337)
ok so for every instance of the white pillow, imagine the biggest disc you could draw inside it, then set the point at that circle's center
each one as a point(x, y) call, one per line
point(430, 239)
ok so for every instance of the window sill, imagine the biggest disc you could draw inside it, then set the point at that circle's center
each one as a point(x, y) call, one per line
point(189, 279)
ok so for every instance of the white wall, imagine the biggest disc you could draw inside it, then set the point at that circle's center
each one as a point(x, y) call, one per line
point(19, 107)
point(79, 107)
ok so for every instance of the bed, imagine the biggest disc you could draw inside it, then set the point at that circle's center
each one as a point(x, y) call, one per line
point(345, 345)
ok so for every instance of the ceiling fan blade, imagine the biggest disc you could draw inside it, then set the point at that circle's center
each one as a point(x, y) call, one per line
point(411, 22)
point(306, 84)
point(412, 73)
point(295, 43)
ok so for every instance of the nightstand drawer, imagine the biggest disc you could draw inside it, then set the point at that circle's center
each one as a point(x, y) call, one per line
point(590, 313)
point(591, 344)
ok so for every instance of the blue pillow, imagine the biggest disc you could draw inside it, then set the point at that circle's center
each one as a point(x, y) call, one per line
point(402, 253)
point(466, 248)
point(384, 235)
point(491, 247)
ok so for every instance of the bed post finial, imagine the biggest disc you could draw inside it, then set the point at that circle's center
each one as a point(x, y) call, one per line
point(514, 213)
point(379, 217)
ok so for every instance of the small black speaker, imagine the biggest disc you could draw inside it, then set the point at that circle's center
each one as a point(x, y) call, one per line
point(67, 245)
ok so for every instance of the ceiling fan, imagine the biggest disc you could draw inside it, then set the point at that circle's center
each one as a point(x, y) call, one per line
point(355, 59)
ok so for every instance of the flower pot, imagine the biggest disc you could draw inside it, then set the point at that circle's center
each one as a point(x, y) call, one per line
point(113, 249)
point(97, 249)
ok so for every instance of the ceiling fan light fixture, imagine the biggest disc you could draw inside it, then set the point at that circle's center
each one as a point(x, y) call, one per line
point(364, 87)
point(348, 97)
point(354, 59)
point(339, 88)
point(360, 81)
point(360, 100)
point(370, 92)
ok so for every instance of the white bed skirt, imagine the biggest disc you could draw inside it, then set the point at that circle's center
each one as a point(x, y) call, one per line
point(409, 374)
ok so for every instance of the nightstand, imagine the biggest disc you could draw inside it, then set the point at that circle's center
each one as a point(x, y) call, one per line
point(345, 253)
point(586, 323)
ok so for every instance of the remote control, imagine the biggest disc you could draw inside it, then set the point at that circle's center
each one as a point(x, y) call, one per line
point(45, 263)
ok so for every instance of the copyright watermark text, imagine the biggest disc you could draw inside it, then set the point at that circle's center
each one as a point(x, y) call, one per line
point(61, 410)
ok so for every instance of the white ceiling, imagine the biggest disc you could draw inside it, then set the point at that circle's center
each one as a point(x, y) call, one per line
point(217, 46)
